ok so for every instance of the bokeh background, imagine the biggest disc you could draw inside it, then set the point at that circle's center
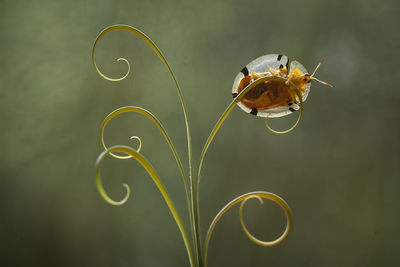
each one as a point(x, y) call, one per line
point(339, 170)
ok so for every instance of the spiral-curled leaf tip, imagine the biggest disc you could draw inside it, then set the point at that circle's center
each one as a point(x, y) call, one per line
point(260, 199)
point(128, 71)
point(118, 203)
point(128, 193)
point(99, 184)
point(139, 140)
point(105, 31)
point(112, 201)
point(103, 126)
point(260, 195)
point(280, 239)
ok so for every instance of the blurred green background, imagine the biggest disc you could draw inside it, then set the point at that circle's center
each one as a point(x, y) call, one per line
point(339, 170)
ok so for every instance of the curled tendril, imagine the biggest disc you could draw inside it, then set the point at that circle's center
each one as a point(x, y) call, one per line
point(115, 79)
point(107, 30)
point(153, 118)
point(119, 156)
point(243, 198)
point(139, 140)
point(150, 116)
point(298, 118)
point(150, 170)
point(258, 241)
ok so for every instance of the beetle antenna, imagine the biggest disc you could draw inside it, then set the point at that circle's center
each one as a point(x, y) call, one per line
point(316, 68)
point(313, 78)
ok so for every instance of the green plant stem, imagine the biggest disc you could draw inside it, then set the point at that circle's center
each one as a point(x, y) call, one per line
point(207, 144)
point(153, 118)
point(222, 119)
point(194, 226)
point(196, 220)
point(150, 170)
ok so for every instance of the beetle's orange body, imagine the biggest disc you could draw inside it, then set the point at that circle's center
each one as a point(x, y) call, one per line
point(271, 94)
point(276, 97)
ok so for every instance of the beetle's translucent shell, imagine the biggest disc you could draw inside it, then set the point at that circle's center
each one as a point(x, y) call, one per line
point(297, 65)
point(261, 66)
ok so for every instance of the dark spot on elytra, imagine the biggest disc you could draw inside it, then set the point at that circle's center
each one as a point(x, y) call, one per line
point(279, 57)
point(290, 103)
point(257, 91)
point(254, 111)
point(234, 95)
point(281, 66)
point(245, 71)
point(292, 109)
